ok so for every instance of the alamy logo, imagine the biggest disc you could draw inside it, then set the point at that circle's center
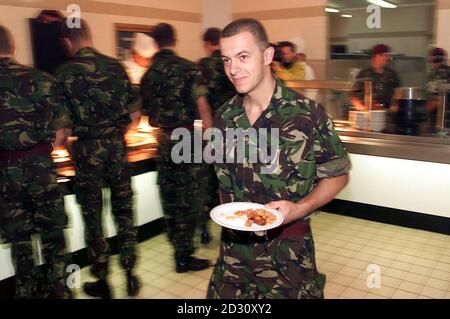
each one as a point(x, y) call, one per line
point(374, 278)
point(73, 20)
point(374, 19)
point(241, 146)
point(74, 277)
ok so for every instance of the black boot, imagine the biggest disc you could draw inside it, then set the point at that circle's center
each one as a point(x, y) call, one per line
point(97, 288)
point(191, 264)
point(205, 236)
point(133, 284)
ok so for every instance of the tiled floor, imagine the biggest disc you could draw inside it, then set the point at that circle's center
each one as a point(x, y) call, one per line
point(412, 263)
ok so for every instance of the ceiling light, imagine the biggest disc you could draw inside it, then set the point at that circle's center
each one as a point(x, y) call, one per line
point(331, 10)
point(346, 15)
point(383, 3)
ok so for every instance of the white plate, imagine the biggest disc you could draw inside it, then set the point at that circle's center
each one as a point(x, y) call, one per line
point(224, 216)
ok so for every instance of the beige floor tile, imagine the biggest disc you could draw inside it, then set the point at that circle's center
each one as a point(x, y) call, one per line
point(410, 287)
point(420, 270)
point(433, 292)
point(355, 263)
point(162, 282)
point(429, 263)
point(439, 274)
point(443, 266)
point(196, 294)
point(405, 258)
point(179, 289)
point(203, 285)
point(339, 259)
point(373, 296)
point(149, 277)
point(350, 271)
point(387, 254)
point(383, 291)
point(415, 278)
point(193, 280)
point(331, 266)
point(342, 280)
point(334, 288)
point(165, 295)
point(390, 282)
point(438, 284)
point(331, 296)
point(148, 291)
point(400, 294)
point(396, 273)
point(400, 265)
point(351, 293)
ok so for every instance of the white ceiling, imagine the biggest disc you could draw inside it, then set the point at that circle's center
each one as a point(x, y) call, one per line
point(348, 4)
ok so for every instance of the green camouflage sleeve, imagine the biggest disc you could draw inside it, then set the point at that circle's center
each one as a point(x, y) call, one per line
point(61, 114)
point(64, 107)
point(224, 175)
point(146, 92)
point(331, 157)
point(199, 87)
point(131, 99)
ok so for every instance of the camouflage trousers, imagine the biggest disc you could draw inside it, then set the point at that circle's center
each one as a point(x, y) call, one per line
point(102, 163)
point(186, 196)
point(31, 203)
point(273, 269)
point(207, 190)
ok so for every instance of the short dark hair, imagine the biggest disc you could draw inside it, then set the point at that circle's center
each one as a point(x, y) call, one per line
point(7, 45)
point(74, 33)
point(164, 35)
point(250, 25)
point(291, 45)
point(212, 35)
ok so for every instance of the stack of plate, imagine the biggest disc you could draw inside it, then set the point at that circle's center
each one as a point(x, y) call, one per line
point(377, 120)
point(359, 119)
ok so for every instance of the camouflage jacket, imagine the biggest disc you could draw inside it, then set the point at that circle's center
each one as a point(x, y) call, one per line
point(29, 112)
point(97, 92)
point(441, 74)
point(169, 90)
point(220, 89)
point(383, 85)
point(309, 149)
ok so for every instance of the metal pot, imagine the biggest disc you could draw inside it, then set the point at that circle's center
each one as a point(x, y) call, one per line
point(411, 103)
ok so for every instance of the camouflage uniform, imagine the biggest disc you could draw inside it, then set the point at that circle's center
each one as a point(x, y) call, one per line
point(98, 94)
point(29, 196)
point(220, 90)
point(281, 265)
point(440, 75)
point(383, 85)
point(169, 92)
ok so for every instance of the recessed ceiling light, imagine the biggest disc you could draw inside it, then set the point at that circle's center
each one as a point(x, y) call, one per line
point(382, 3)
point(345, 15)
point(331, 10)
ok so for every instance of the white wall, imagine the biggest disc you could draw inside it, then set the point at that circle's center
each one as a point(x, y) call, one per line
point(216, 14)
point(415, 186)
point(16, 18)
point(406, 30)
point(443, 25)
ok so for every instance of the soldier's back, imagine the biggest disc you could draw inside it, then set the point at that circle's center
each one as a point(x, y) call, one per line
point(98, 91)
point(167, 89)
point(26, 101)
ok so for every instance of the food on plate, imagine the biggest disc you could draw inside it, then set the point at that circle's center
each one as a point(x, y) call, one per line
point(258, 216)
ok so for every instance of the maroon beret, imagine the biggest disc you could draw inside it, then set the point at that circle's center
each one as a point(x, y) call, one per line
point(380, 49)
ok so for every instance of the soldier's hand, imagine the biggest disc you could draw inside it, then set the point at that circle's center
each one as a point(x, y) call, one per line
point(291, 211)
